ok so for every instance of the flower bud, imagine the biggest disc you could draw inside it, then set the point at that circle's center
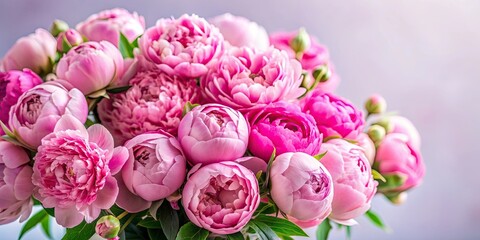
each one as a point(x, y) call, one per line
point(57, 27)
point(301, 42)
point(386, 124)
point(107, 227)
point(321, 74)
point(376, 133)
point(397, 199)
point(375, 104)
point(68, 39)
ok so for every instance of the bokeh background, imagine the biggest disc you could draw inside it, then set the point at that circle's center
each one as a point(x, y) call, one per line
point(423, 56)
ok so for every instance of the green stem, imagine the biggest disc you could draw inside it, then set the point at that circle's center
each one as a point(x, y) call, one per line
point(121, 215)
point(129, 220)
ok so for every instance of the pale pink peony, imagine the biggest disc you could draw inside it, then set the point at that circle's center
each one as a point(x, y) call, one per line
point(155, 169)
point(154, 102)
point(403, 125)
point(108, 24)
point(16, 186)
point(91, 66)
point(38, 110)
point(213, 133)
point(36, 51)
point(182, 46)
point(301, 187)
point(335, 116)
point(221, 197)
point(364, 141)
point(69, 38)
point(73, 171)
point(352, 180)
point(244, 78)
point(241, 32)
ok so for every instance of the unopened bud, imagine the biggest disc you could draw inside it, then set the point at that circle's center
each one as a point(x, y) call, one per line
point(107, 227)
point(322, 73)
point(376, 133)
point(386, 124)
point(301, 42)
point(375, 104)
point(57, 27)
point(397, 199)
point(68, 39)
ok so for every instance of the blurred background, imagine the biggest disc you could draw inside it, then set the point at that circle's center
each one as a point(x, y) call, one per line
point(423, 56)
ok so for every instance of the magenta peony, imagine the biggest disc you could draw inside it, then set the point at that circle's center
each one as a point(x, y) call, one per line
point(213, 133)
point(284, 127)
point(154, 102)
point(221, 197)
point(108, 24)
point(155, 169)
point(73, 171)
point(69, 38)
point(182, 46)
point(16, 186)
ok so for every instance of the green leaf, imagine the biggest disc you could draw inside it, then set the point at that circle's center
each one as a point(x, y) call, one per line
point(320, 155)
point(118, 89)
point(50, 211)
point(263, 230)
point(190, 231)
point(84, 231)
point(188, 107)
point(235, 236)
point(376, 220)
point(66, 46)
point(377, 176)
point(156, 234)
point(265, 208)
point(269, 166)
point(125, 47)
point(46, 226)
point(284, 237)
point(150, 223)
point(392, 181)
point(32, 222)
point(135, 42)
point(88, 123)
point(281, 226)
point(348, 232)
point(324, 229)
point(168, 220)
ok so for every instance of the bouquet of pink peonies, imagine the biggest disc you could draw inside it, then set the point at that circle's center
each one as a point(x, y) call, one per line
point(190, 129)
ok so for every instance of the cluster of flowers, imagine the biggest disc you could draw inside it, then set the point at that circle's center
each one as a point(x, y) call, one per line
point(216, 118)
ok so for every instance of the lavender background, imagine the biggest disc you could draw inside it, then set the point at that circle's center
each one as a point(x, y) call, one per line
point(422, 55)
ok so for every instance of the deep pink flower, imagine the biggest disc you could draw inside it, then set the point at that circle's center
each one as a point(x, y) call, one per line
point(403, 125)
point(182, 46)
point(73, 171)
point(221, 197)
point(154, 102)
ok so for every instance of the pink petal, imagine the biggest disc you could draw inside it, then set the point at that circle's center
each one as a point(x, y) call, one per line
point(68, 217)
point(129, 201)
point(101, 136)
point(69, 122)
point(106, 197)
point(119, 158)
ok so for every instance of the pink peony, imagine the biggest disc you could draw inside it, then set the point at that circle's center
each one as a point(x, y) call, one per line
point(403, 125)
point(245, 78)
point(91, 66)
point(255, 164)
point(221, 197)
point(155, 169)
point(36, 51)
point(284, 127)
point(182, 46)
point(73, 171)
point(368, 146)
point(313, 57)
point(352, 180)
point(13, 84)
point(38, 110)
point(397, 156)
point(335, 116)
point(69, 38)
point(107, 26)
point(301, 186)
point(213, 133)
point(16, 186)
point(154, 102)
point(241, 32)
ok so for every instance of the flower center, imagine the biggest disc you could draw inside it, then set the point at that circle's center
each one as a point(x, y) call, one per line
point(32, 108)
point(319, 184)
point(217, 117)
point(3, 88)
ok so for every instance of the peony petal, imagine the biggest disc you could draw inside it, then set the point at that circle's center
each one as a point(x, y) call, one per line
point(68, 217)
point(101, 136)
point(129, 201)
point(69, 122)
point(118, 160)
point(107, 196)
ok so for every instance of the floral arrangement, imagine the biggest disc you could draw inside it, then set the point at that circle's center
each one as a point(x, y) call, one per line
point(191, 129)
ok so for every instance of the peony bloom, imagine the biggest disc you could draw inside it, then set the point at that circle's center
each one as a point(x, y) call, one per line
point(38, 110)
point(335, 116)
point(241, 32)
point(155, 169)
point(313, 56)
point(73, 171)
point(16, 186)
point(397, 156)
point(244, 78)
point(213, 133)
point(69, 38)
point(403, 125)
point(368, 146)
point(154, 102)
point(221, 197)
point(352, 180)
point(36, 51)
point(301, 186)
point(255, 164)
point(284, 127)
point(13, 84)
point(107, 26)
point(182, 46)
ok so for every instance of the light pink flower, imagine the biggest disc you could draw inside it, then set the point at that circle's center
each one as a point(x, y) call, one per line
point(70, 38)
point(16, 186)
point(335, 116)
point(182, 46)
point(241, 32)
point(213, 133)
point(368, 146)
point(301, 186)
point(155, 169)
point(255, 164)
point(38, 110)
point(244, 78)
point(221, 197)
point(91, 66)
point(73, 171)
point(352, 180)
point(36, 51)
point(403, 125)
point(154, 102)
point(108, 24)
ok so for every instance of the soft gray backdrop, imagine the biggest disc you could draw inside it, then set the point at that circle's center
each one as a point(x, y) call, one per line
point(422, 55)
